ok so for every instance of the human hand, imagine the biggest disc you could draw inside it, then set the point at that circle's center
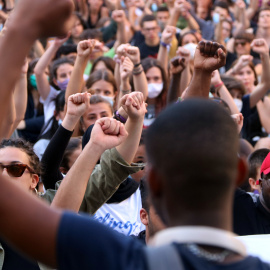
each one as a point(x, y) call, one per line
point(85, 47)
point(50, 17)
point(168, 34)
point(58, 42)
point(242, 62)
point(260, 46)
point(78, 104)
point(126, 67)
point(134, 105)
point(118, 16)
point(122, 50)
point(238, 118)
point(209, 56)
point(183, 53)
point(215, 79)
point(108, 133)
point(177, 65)
point(133, 53)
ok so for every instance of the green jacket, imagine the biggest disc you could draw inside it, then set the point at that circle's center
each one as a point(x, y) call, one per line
point(104, 181)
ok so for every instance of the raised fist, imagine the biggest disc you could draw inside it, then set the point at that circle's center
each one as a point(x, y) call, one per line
point(209, 56)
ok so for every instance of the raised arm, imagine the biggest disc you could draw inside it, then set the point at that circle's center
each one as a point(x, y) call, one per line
point(76, 83)
point(166, 39)
point(107, 133)
point(43, 84)
point(139, 78)
point(260, 46)
point(177, 65)
point(126, 67)
point(208, 57)
point(119, 17)
point(24, 30)
point(223, 92)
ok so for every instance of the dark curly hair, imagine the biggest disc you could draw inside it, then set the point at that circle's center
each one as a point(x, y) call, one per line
point(25, 147)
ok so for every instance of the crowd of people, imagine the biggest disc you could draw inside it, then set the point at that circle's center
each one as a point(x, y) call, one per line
point(147, 119)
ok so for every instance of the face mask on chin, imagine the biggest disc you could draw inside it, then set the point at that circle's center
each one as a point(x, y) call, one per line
point(154, 89)
point(109, 99)
point(238, 103)
point(63, 85)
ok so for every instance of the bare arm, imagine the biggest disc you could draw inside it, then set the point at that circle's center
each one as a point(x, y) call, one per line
point(208, 57)
point(260, 46)
point(40, 69)
point(76, 83)
point(119, 17)
point(24, 30)
point(263, 108)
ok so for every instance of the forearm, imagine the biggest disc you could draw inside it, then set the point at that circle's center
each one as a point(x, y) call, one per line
point(226, 96)
point(121, 33)
point(174, 18)
point(264, 113)
point(38, 217)
point(185, 79)
point(76, 83)
point(38, 48)
point(199, 85)
point(125, 88)
point(174, 89)
point(262, 88)
point(192, 23)
point(140, 84)
point(128, 148)
point(51, 159)
point(72, 189)
point(20, 99)
point(163, 57)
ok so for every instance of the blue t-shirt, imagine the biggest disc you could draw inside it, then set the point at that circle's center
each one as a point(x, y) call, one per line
point(86, 244)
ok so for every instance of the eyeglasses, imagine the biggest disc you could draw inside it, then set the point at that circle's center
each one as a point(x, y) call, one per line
point(242, 43)
point(16, 170)
point(150, 29)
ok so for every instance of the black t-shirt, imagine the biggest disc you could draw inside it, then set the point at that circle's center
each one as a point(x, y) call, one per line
point(248, 217)
point(147, 51)
point(252, 126)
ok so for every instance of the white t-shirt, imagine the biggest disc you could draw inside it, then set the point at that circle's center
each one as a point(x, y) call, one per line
point(49, 106)
point(123, 217)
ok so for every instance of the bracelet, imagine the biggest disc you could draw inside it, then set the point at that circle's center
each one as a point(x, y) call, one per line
point(126, 91)
point(219, 84)
point(136, 65)
point(119, 117)
point(137, 72)
point(163, 44)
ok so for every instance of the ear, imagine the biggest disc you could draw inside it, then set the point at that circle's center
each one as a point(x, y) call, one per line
point(144, 217)
point(34, 182)
point(242, 172)
point(252, 183)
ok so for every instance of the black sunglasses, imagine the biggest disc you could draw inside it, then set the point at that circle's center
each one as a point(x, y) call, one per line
point(16, 170)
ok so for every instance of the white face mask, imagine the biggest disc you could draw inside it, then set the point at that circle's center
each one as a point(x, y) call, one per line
point(239, 103)
point(154, 89)
point(192, 48)
point(110, 99)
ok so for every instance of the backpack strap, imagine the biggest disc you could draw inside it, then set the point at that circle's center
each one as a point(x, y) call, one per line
point(163, 258)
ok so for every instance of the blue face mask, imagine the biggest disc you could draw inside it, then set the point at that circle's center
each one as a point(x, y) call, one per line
point(154, 7)
point(216, 18)
point(226, 39)
point(63, 85)
point(110, 99)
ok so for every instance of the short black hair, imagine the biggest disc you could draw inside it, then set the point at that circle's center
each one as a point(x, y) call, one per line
point(255, 160)
point(65, 50)
point(162, 9)
point(147, 18)
point(221, 4)
point(192, 146)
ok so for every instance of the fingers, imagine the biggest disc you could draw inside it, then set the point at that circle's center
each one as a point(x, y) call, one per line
point(109, 126)
point(80, 98)
point(209, 48)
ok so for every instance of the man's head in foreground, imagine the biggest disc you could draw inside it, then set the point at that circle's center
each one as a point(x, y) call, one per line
point(193, 164)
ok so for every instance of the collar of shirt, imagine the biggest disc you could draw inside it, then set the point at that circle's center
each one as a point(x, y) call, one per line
point(199, 235)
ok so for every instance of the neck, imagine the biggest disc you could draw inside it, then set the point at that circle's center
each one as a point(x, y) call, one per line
point(152, 43)
point(218, 219)
point(263, 32)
